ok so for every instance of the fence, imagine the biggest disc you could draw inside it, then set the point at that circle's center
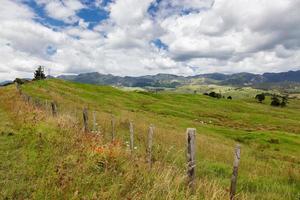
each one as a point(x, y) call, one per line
point(190, 140)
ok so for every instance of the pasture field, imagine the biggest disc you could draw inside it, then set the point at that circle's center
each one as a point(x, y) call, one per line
point(46, 157)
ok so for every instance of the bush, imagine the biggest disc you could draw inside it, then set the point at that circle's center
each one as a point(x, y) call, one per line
point(215, 95)
point(275, 101)
point(260, 97)
point(273, 141)
point(284, 101)
point(19, 81)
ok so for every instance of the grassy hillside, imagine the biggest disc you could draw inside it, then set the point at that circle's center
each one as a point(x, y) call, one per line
point(234, 92)
point(50, 157)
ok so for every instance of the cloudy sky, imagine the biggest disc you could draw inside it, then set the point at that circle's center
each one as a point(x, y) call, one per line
point(137, 37)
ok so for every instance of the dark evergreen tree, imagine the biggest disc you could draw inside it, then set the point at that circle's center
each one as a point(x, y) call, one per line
point(39, 73)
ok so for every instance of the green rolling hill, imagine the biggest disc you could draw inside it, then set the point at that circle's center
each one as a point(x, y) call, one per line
point(48, 157)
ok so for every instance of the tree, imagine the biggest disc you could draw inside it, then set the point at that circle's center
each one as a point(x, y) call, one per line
point(284, 101)
point(260, 97)
point(39, 73)
point(275, 101)
point(215, 95)
point(229, 97)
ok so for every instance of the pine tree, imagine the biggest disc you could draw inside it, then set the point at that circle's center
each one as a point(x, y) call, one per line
point(39, 73)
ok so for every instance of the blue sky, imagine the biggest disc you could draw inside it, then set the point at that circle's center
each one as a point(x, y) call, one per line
point(138, 37)
point(91, 13)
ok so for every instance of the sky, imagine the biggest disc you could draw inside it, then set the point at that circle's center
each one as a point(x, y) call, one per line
point(139, 37)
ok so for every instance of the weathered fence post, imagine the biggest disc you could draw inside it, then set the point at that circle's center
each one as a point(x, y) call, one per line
point(150, 144)
point(18, 87)
point(191, 135)
point(85, 120)
point(131, 136)
point(94, 121)
point(237, 156)
point(24, 97)
point(54, 109)
point(37, 103)
point(113, 122)
point(28, 99)
point(46, 104)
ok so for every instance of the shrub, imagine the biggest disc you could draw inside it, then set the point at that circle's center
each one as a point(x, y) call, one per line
point(260, 97)
point(20, 81)
point(284, 101)
point(273, 141)
point(215, 95)
point(275, 101)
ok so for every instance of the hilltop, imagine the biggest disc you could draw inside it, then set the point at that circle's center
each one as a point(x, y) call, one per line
point(51, 157)
point(173, 81)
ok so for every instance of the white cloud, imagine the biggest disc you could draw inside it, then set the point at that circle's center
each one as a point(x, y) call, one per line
point(10, 10)
point(201, 36)
point(64, 10)
point(127, 12)
point(237, 31)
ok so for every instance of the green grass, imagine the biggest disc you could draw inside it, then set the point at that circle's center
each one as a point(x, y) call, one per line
point(234, 92)
point(45, 152)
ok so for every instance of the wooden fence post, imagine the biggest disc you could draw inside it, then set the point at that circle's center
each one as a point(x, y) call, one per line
point(191, 135)
point(94, 121)
point(113, 123)
point(54, 109)
point(28, 99)
point(131, 136)
point(37, 103)
point(150, 144)
point(24, 97)
point(237, 156)
point(85, 120)
point(18, 87)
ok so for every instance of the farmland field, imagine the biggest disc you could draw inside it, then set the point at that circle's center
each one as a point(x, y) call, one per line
point(45, 157)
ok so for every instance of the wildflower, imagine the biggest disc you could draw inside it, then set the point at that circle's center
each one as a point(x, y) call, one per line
point(99, 149)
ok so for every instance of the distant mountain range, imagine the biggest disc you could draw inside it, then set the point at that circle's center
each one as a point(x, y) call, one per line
point(283, 80)
point(5, 83)
point(172, 81)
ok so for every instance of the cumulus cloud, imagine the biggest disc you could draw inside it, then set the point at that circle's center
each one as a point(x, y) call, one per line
point(195, 36)
point(64, 10)
point(239, 34)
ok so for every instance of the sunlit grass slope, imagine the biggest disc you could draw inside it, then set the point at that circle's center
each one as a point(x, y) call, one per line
point(47, 157)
